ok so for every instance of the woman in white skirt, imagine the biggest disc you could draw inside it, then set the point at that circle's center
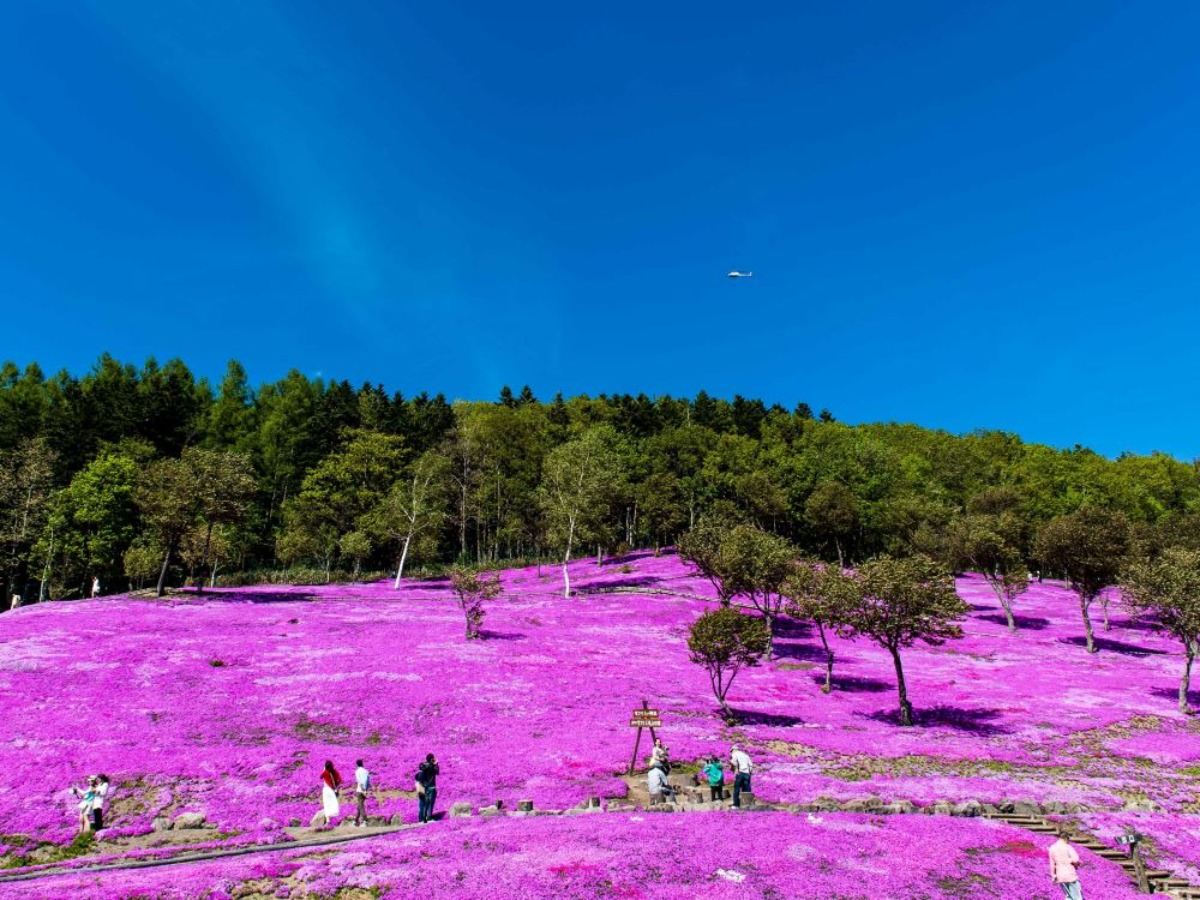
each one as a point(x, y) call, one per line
point(330, 782)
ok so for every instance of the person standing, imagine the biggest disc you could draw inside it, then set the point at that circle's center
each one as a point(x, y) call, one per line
point(1063, 863)
point(100, 794)
point(86, 798)
point(96, 586)
point(331, 780)
point(739, 762)
point(427, 774)
point(716, 779)
point(362, 784)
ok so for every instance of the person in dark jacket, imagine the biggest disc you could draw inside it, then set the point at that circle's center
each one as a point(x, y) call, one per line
point(427, 774)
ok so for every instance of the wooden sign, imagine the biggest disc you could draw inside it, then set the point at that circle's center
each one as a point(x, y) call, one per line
point(643, 718)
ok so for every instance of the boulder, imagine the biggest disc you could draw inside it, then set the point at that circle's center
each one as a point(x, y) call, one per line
point(858, 804)
point(1006, 806)
point(1054, 808)
point(189, 820)
point(968, 809)
point(747, 799)
point(593, 802)
point(491, 811)
point(293, 822)
point(161, 823)
point(525, 806)
point(900, 807)
point(318, 820)
point(942, 808)
point(1026, 808)
point(377, 821)
point(460, 810)
point(396, 820)
point(1140, 806)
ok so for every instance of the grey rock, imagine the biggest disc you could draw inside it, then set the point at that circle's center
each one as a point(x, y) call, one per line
point(318, 821)
point(460, 810)
point(1140, 806)
point(161, 823)
point(942, 808)
point(900, 807)
point(377, 821)
point(293, 822)
point(396, 820)
point(968, 808)
point(524, 806)
point(189, 820)
point(1026, 808)
point(491, 811)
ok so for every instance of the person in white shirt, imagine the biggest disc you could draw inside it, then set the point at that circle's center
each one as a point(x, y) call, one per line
point(362, 784)
point(98, 798)
point(739, 761)
point(658, 785)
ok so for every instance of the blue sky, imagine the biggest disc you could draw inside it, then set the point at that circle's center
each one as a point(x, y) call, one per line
point(958, 214)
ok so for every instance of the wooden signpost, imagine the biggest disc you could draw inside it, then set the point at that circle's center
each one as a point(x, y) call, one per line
point(643, 718)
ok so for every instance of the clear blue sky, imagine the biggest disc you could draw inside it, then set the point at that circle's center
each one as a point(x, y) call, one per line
point(959, 214)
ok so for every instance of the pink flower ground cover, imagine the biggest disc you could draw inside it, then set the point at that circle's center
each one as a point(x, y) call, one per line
point(228, 704)
point(637, 857)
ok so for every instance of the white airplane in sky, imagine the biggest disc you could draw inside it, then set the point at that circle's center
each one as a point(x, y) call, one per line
point(736, 274)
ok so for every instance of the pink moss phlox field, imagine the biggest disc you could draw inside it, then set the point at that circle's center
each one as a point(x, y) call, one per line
point(228, 704)
point(638, 857)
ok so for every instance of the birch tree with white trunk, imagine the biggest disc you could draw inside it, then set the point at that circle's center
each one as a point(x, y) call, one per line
point(414, 509)
point(579, 480)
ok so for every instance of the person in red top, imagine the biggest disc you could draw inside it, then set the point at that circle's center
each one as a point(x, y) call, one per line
point(331, 780)
point(1063, 861)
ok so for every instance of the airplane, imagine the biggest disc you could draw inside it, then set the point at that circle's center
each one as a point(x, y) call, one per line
point(736, 274)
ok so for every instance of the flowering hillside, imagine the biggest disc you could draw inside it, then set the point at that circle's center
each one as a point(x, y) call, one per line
point(636, 857)
point(228, 704)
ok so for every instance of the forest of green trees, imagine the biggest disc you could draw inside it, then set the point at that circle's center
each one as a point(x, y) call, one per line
point(147, 476)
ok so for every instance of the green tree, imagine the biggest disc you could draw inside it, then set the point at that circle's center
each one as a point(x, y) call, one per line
point(474, 590)
point(93, 520)
point(724, 642)
point(757, 565)
point(577, 486)
point(977, 541)
point(1167, 591)
point(827, 597)
point(904, 601)
point(26, 484)
point(340, 494)
point(703, 546)
point(413, 510)
point(355, 545)
point(832, 512)
point(1088, 547)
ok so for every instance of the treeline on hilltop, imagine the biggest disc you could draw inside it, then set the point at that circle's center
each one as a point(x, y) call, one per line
point(151, 476)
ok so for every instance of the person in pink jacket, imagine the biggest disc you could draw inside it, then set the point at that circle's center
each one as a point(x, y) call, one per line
point(1063, 861)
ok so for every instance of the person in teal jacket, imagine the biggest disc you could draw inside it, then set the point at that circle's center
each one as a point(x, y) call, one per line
point(716, 778)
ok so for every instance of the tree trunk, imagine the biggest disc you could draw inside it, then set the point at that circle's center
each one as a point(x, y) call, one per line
point(1087, 625)
point(1104, 610)
point(828, 659)
point(770, 619)
point(566, 561)
point(44, 587)
point(1005, 603)
point(162, 576)
point(1186, 680)
point(400, 566)
point(906, 711)
point(841, 553)
point(207, 544)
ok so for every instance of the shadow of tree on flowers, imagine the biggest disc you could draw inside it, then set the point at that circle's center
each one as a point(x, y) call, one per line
point(854, 684)
point(1112, 646)
point(1028, 623)
point(958, 718)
